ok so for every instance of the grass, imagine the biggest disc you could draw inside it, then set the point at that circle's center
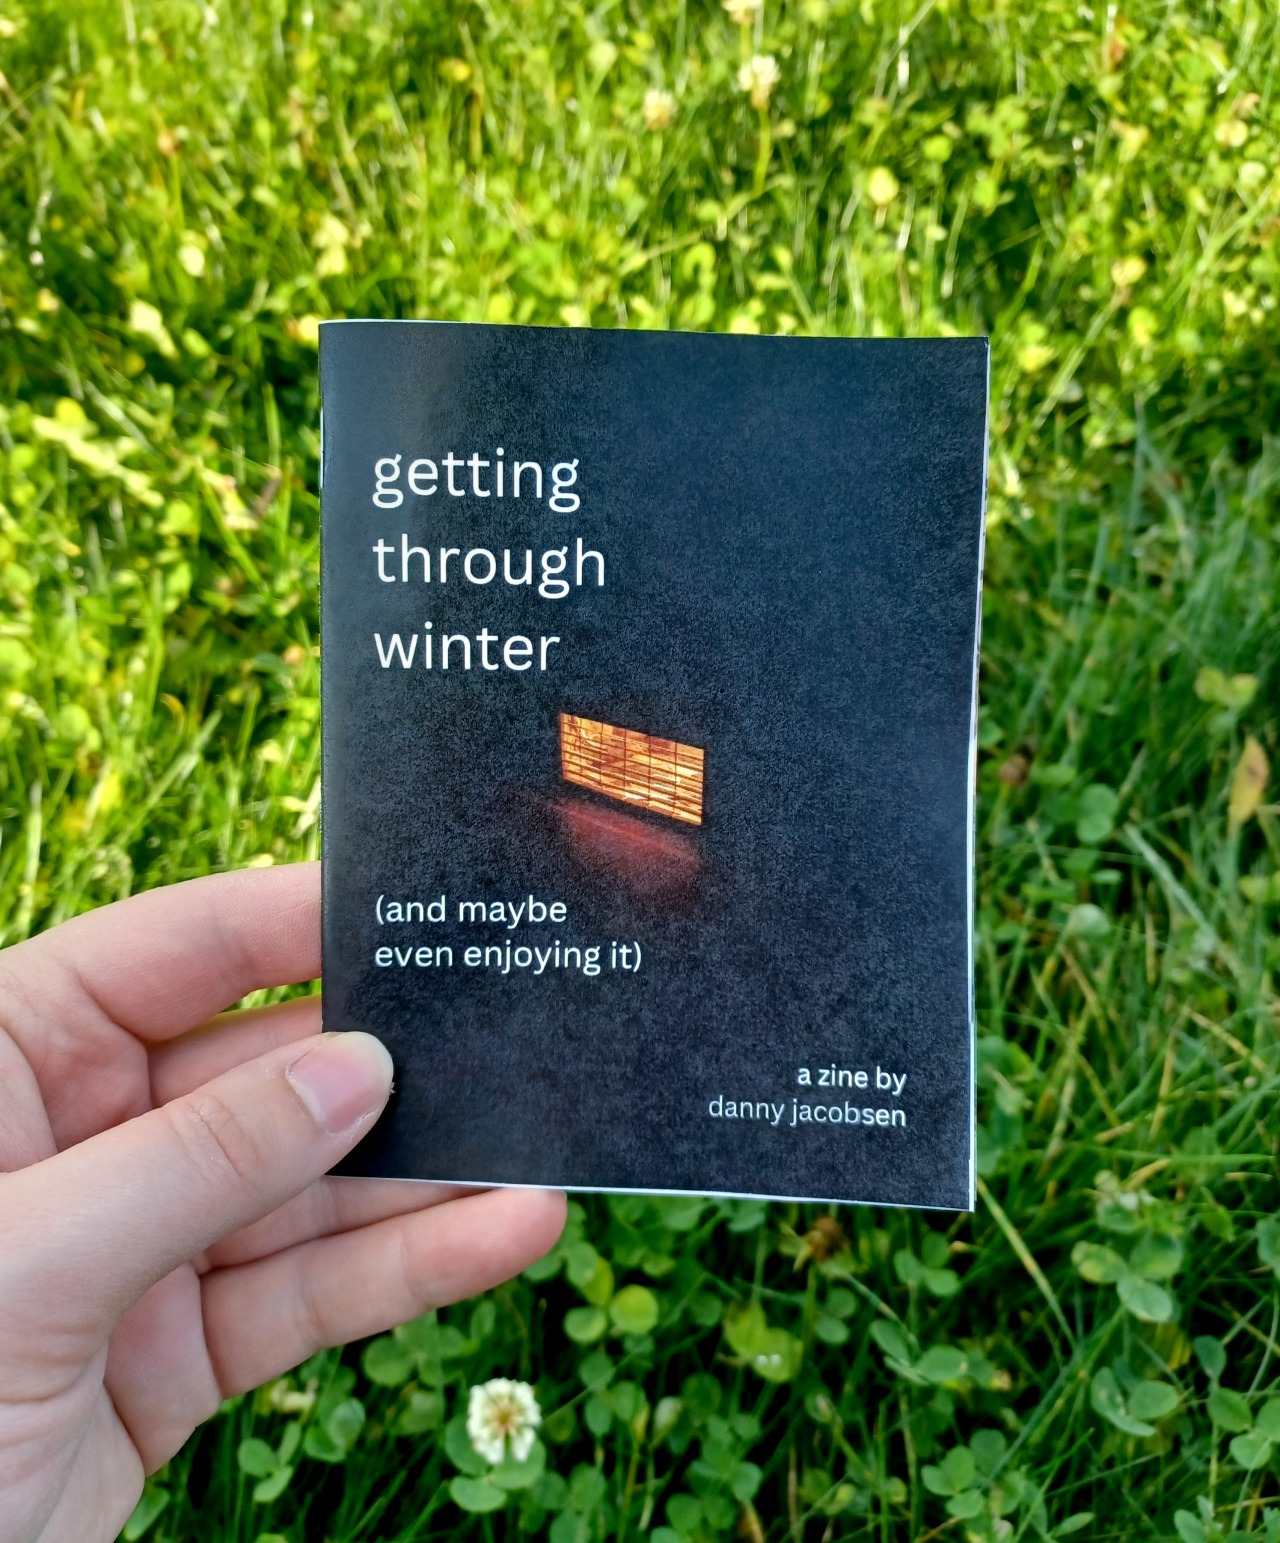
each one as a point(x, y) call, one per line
point(184, 190)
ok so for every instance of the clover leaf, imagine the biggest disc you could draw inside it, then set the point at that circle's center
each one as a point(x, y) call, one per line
point(772, 1353)
point(634, 1310)
point(955, 1479)
point(1146, 1401)
point(476, 1495)
point(1258, 1435)
point(1155, 1256)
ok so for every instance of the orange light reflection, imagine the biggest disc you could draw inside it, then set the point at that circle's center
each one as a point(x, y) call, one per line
point(651, 861)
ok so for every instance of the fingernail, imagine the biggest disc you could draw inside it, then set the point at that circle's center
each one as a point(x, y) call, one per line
point(343, 1079)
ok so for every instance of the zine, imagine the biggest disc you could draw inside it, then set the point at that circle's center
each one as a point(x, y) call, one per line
point(649, 667)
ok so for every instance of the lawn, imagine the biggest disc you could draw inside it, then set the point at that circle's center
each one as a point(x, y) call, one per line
point(185, 190)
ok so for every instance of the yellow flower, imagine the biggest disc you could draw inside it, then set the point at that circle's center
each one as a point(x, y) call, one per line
point(882, 186)
point(1126, 271)
point(659, 110)
point(191, 257)
point(1251, 176)
point(742, 12)
point(758, 77)
point(1143, 325)
point(332, 238)
point(146, 322)
point(1033, 356)
point(304, 329)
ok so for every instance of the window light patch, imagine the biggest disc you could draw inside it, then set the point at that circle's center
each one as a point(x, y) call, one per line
point(642, 769)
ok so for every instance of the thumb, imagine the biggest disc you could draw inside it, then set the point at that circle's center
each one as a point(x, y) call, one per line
point(85, 1233)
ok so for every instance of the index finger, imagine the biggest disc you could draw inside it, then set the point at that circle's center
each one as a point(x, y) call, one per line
point(161, 962)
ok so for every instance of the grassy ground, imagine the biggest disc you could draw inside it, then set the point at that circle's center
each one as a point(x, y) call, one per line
point(185, 189)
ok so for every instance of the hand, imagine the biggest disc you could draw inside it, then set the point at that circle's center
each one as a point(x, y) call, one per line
point(167, 1237)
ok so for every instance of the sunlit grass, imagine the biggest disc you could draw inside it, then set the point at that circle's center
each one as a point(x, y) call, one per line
point(185, 190)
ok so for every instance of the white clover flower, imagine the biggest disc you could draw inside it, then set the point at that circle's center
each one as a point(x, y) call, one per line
point(759, 76)
point(659, 110)
point(502, 1414)
point(742, 12)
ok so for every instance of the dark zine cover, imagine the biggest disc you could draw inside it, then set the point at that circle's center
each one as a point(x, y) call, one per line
point(649, 688)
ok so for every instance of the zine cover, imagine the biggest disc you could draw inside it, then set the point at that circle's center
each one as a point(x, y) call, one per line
point(649, 692)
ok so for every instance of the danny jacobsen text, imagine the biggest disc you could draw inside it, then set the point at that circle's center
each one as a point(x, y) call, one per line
point(796, 1113)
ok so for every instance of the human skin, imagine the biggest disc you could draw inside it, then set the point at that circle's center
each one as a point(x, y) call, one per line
point(167, 1235)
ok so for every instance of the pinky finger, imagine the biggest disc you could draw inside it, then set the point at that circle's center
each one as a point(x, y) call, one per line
point(263, 1318)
